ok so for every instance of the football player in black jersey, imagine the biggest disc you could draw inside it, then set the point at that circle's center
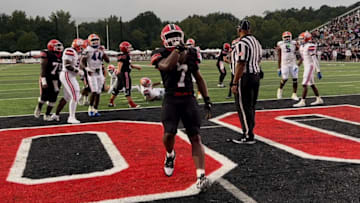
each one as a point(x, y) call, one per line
point(220, 63)
point(176, 65)
point(123, 74)
point(51, 64)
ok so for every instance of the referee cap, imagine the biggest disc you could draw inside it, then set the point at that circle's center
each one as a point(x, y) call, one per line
point(244, 25)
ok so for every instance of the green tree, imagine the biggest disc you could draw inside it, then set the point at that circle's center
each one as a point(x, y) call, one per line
point(28, 41)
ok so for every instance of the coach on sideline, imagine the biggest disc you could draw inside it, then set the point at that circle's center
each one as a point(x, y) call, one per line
point(247, 80)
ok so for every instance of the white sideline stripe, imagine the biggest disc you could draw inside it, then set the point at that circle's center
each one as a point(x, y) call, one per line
point(236, 192)
point(309, 119)
point(207, 127)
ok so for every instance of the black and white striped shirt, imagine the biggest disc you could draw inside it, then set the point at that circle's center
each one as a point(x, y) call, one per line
point(249, 50)
point(233, 60)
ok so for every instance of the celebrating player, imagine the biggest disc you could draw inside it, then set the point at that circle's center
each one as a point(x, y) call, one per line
point(308, 53)
point(123, 73)
point(71, 68)
point(220, 63)
point(49, 77)
point(176, 65)
point(93, 58)
point(287, 63)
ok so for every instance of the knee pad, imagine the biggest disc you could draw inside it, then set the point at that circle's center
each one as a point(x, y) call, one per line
point(283, 81)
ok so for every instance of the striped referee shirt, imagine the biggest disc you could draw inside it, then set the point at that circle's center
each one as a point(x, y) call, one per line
point(249, 50)
point(233, 60)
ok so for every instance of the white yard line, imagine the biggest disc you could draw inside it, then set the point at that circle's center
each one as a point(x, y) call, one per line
point(236, 192)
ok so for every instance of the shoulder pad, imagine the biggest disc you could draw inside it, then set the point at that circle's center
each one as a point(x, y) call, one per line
point(44, 54)
point(69, 52)
point(157, 54)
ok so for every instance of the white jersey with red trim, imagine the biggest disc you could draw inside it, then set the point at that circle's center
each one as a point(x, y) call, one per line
point(308, 50)
point(288, 49)
point(94, 59)
point(71, 55)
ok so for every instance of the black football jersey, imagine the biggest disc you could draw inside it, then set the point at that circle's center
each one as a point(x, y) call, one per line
point(179, 79)
point(125, 59)
point(54, 64)
point(222, 54)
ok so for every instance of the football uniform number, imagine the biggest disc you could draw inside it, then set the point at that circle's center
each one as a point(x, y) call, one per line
point(288, 49)
point(183, 68)
point(57, 67)
point(96, 56)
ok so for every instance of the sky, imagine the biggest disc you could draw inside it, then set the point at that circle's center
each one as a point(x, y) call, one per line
point(166, 10)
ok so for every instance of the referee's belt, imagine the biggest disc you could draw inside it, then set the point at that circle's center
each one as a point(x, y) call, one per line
point(180, 94)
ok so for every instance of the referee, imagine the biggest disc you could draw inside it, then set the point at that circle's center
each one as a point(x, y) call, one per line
point(247, 81)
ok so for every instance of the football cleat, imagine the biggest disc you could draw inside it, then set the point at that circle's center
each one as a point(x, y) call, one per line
point(301, 103)
point(317, 101)
point(37, 112)
point(96, 113)
point(47, 118)
point(90, 111)
point(169, 165)
point(55, 117)
point(279, 93)
point(294, 97)
point(73, 120)
point(221, 85)
point(111, 104)
point(134, 106)
point(203, 183)
point(244, 140)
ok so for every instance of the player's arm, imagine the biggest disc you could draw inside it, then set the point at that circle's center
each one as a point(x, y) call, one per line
point(169, 63)
point(106, 58)
point(204, 92)
point(226, 59)
point(278, 49)
point(135, 66)
point(156, 84)
point(83, 61)
point(43, 64)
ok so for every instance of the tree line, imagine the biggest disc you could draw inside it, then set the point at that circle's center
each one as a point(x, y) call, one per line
point(19, 32)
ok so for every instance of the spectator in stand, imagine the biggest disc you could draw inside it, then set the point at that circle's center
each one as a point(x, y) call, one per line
point(348, 55)
point(334, 55)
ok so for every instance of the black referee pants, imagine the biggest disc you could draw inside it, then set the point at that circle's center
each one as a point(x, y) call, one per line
point(245, 102)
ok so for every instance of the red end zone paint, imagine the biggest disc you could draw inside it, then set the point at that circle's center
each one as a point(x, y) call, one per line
point(316, 144)
point(141, 146)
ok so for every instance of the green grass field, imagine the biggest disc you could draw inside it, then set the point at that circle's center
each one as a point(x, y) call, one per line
point(19, 87)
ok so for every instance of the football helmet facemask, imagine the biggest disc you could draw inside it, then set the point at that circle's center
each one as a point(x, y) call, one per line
point(172, 35)
point(94, 41)
point(287, 36)
point(79, 45)
point(125, 47)
point(55, 45)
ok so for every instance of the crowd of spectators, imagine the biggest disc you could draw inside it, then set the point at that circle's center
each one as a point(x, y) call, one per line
point(339, 39)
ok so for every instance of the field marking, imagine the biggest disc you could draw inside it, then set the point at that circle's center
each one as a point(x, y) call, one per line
point(236, 192)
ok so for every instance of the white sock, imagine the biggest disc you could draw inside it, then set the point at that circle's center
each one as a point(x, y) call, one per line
point(199, 172)
point(172, 154)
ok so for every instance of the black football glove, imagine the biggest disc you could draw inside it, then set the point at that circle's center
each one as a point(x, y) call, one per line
point(207, 107)
point(180, 47)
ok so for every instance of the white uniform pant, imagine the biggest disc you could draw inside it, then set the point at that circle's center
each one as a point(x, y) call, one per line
point(71, 90)
point(286, 70)
point(308, 78)
point(96, 81)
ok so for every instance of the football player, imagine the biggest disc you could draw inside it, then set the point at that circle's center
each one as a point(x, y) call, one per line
point(92, 59)
point(71, 68)
point(147, 89)
point(220, 63)
point(311, 63)
point(191, 44)
point(49, 77)
point(123, 74)
point(287, 63)
point(176, 64)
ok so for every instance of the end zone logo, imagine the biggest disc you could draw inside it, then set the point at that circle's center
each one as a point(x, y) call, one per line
point(117, 160)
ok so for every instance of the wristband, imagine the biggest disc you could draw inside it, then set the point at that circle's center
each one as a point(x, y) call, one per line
point(43, 81)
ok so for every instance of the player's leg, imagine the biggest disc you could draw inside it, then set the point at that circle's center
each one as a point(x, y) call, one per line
point(222, 71)
point(308, 79)
point(93, 87)
point(170, 119)
point(190, 117)
point(74, 90)
point(230, 86)
point(318, 100)
point(294, 74)
point(100, 82)
point(284, 79)
point(128, 91)
point(63, 100)
point(116, 87)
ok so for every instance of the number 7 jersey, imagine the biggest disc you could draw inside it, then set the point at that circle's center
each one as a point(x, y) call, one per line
point(179, 79)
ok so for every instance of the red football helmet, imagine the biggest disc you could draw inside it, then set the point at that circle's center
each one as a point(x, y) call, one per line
point(111, 67)
point(172, 35)
point(94, 40)
point(125, 47)
point(55, 45)
point(190, 42)
point(307, 36)
point(145, 82)
point(287, 36)
point(79, 45)
point(226, 46)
